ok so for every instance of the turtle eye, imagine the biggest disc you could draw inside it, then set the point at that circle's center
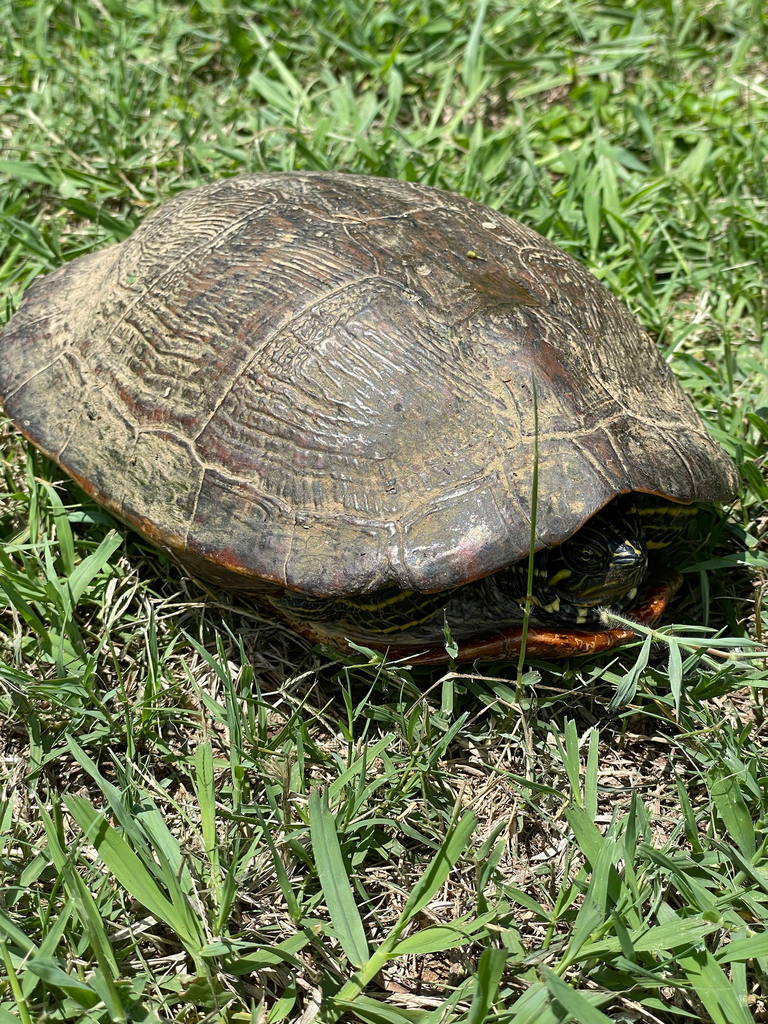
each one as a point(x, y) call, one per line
point(586, 558)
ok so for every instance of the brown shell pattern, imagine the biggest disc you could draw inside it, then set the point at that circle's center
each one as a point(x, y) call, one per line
point(326, 381)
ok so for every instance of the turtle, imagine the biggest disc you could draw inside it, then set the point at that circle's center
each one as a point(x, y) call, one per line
point(363, 402)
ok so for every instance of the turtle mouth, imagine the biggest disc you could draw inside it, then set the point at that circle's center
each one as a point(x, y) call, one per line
point(621, 594)
point(585, 613)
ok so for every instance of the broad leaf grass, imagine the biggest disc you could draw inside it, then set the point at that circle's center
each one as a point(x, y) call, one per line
point(203, 820)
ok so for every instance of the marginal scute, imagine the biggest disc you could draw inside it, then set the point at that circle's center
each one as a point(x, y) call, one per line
point(464, 531)
point(306, 380)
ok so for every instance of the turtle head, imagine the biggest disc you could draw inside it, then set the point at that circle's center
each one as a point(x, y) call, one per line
point(602, 564)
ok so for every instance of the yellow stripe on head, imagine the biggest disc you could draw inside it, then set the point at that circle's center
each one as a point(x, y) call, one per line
point(562, 575)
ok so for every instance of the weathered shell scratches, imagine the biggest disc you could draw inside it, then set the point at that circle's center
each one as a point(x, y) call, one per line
point(326, 382)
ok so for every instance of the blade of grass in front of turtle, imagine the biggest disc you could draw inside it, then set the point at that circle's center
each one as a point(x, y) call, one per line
point(22, 1006)
point(531, 552)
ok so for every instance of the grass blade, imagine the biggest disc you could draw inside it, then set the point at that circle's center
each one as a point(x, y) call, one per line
point(580, 1008)
point(438, 870)
point(332, 873)
point(731, 806)
point(713, 988)
point(489, 972)
point(133, 875)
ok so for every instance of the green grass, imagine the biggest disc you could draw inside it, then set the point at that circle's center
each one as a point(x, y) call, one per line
point(203, 820)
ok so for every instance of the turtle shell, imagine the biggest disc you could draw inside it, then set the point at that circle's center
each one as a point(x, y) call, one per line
point(326, 382)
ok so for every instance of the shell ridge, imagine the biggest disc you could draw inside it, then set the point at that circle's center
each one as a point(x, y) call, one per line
point(208, 243)
point(195, 504)
point(32, 376)
point(266, 343)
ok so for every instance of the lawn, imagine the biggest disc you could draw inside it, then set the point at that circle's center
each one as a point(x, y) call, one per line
point(204, 819)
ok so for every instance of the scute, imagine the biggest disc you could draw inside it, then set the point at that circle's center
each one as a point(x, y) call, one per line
point(326, 381)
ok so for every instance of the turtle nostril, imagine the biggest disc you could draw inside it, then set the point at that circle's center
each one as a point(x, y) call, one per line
point(629, 554)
